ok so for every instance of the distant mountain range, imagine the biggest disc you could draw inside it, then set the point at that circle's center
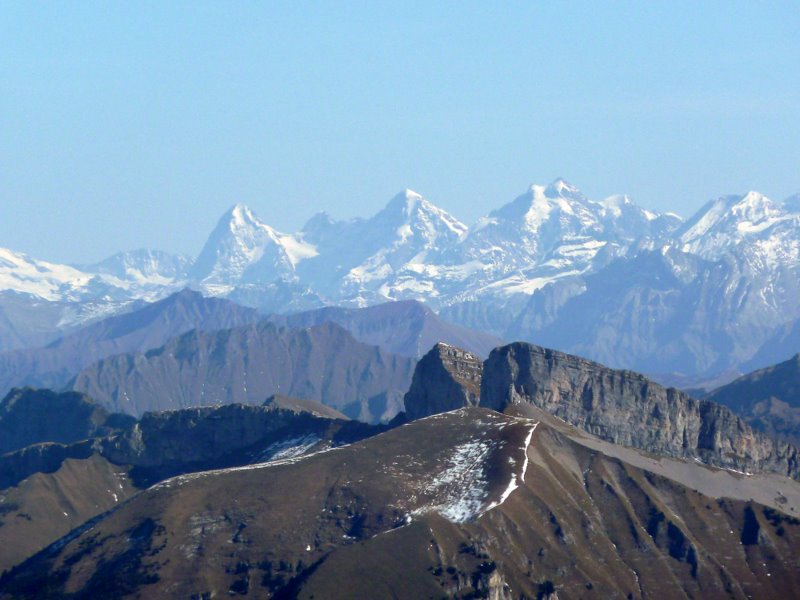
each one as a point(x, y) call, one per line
point(605, 279)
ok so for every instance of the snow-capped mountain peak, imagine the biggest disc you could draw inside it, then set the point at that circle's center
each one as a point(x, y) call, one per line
point(724, 223)
point(242, 247)
point(561, 188)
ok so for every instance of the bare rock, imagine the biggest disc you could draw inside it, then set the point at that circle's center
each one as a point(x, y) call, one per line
point(446, 378)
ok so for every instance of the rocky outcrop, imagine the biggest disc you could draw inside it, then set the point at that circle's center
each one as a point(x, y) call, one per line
point(626, 408)
point(163, 444)
point(39, 458)
point(446, 378)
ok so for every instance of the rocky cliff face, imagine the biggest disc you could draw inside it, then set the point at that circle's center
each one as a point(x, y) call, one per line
point(446, 378)
point(626, 408)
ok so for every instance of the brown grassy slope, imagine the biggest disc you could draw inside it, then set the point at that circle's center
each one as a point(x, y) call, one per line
point(336, 525)
point(47, 506)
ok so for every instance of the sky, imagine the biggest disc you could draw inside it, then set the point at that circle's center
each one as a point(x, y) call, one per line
point(128, 125)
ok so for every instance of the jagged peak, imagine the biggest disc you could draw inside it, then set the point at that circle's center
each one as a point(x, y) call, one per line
point(240, 215)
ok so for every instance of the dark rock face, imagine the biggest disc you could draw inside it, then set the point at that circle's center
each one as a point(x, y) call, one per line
point(29, 416)
point(626, 408)
point(769, 399)
point(167, 443)
point(39, 458)
point(446, 378)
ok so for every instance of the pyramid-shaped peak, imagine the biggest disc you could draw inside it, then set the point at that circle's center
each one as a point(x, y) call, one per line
point(407, 200)
point(561, 188)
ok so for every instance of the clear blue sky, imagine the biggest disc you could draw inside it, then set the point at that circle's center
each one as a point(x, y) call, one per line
point(126, 125)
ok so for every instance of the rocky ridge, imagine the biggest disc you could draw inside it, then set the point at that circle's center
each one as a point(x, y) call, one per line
point(628, 409)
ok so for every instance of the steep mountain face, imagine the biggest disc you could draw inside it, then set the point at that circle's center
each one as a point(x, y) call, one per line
point(769, 399)
point(469, 503)
point(29, 416)
point(244, 250)
point(405, 327)
point(663, 311)
point(628, 409)
point(752, 220)
point(139, 330)
point(248, 364)
point(445, 379)
point(388, 256)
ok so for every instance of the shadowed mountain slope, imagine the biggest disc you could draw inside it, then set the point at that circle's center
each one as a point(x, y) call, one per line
point(29, 416)
point(446, 378)
point(248, 364)
point(769, 399)
point(148, 327)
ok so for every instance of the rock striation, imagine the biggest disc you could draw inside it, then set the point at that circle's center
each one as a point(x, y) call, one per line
point(626, 408)
point(446, 378)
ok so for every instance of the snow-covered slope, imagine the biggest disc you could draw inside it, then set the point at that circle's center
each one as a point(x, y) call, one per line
point(21, 273)
point(732, 223)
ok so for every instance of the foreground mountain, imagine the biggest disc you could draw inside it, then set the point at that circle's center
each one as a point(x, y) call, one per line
point(247, 364)
point(139, 330)
point(469, 504)
point(48, 489)
point(405, 327)
point(769, 399)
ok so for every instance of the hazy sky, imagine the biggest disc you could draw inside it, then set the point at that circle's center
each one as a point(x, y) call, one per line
point(137, 124)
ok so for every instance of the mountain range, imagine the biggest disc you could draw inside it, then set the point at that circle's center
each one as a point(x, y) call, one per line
point(532, 474)
point(606, 279)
